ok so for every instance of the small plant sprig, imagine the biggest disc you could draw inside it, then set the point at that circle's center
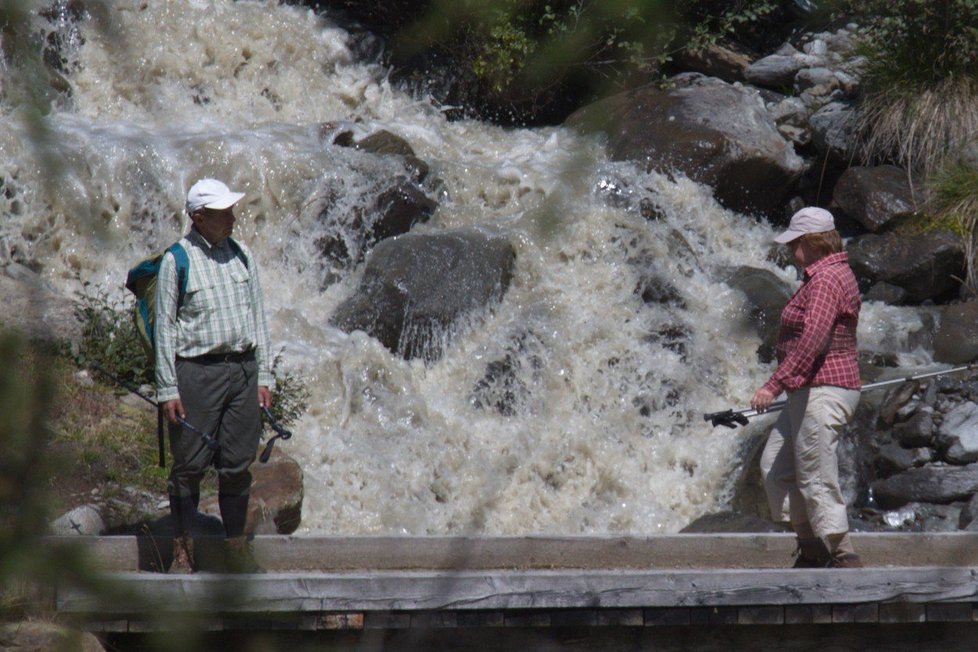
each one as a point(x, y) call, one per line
point(290, 394)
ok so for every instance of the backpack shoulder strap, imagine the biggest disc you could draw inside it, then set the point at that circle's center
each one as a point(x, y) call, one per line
point(183, 269)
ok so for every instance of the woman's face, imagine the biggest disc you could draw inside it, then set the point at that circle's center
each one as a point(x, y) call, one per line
point(802, 252)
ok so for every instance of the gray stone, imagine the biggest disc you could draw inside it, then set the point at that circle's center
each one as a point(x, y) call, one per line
point(931, 484)
point(83, 520)
point(809, 78)
point(958, 434)
point(713, 132)
point(416, 287)
point(874, 196)
point(916, 431)
point(834, 132)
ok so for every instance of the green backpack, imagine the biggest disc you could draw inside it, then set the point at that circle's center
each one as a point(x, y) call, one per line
point(141, 281)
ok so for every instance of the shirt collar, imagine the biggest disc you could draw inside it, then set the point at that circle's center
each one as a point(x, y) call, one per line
point(826, 261)
point(198, 239)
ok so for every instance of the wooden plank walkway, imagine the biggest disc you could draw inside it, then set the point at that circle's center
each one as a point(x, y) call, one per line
point(337, 583)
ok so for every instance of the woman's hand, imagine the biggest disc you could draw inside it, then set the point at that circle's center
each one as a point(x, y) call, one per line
point(762, 400)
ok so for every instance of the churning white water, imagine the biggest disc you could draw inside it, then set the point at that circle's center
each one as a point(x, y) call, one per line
point(608, 436)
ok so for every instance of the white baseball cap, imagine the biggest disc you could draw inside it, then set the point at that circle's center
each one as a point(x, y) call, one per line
point(211, 193)
point(810, 219)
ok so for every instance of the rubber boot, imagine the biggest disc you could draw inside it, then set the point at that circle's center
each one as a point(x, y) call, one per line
point(812, 553)
point(238, 555)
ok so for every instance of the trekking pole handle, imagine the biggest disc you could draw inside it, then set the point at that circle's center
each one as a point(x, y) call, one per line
point(734, 418)
point(280, 433)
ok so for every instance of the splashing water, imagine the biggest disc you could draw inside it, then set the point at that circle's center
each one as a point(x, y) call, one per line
point(574, 406)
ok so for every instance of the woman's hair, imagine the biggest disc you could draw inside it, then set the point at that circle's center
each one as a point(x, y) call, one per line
point(825, 243)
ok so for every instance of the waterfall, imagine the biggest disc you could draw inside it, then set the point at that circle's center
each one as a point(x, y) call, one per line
point(604, 390)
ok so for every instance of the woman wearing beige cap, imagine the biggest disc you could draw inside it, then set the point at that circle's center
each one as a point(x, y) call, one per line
point(817, 369)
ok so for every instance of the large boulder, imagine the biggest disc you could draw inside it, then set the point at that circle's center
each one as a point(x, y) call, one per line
point(416, 287)
point(874, 196)
point(275, 504)
point(712, 132)
point(931, 484)
point(958, 434)
point(926, 266)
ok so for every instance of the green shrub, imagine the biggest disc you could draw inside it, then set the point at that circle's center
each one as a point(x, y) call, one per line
point(954, 199)
point(109, 338)
point(920, 82)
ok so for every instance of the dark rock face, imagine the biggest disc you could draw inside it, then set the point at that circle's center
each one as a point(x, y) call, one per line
point(932, 484)
point(874, 196)
point(706, 129)
point(926, 266)
point(956, 338)
point(416, 287)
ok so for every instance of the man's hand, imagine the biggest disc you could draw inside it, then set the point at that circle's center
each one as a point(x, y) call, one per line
point(264, 397)
point(173, 410)
point(762, 400)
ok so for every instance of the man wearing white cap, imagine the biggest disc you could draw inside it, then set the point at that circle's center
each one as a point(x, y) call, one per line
point(212, 369)
point(817, 368)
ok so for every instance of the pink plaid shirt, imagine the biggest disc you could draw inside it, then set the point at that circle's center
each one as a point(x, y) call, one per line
point(817, 341)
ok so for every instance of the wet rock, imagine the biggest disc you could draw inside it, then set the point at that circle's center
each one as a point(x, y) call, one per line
point(927, 266)
point(956, 338)
point(929, 484)
point(766, 296)
point(713, 132)
point(874, 196)
point(958, 434)
point(416, 287)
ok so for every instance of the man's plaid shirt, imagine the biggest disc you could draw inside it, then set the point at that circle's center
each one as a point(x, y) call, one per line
point(222, 310)
point(817, 341)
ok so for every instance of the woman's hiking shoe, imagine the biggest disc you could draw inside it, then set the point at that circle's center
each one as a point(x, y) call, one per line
point(811, 553)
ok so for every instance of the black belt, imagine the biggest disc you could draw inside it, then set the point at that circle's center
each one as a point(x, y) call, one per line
point(212, 358)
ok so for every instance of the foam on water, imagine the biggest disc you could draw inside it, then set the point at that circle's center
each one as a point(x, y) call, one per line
point(602, 430)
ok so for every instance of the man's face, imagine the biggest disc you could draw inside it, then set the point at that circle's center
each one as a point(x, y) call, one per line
point(214, 225)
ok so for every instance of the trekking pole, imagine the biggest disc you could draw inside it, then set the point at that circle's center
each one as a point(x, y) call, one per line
point(733, 418)
point(280, 433)
point(209, 441)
